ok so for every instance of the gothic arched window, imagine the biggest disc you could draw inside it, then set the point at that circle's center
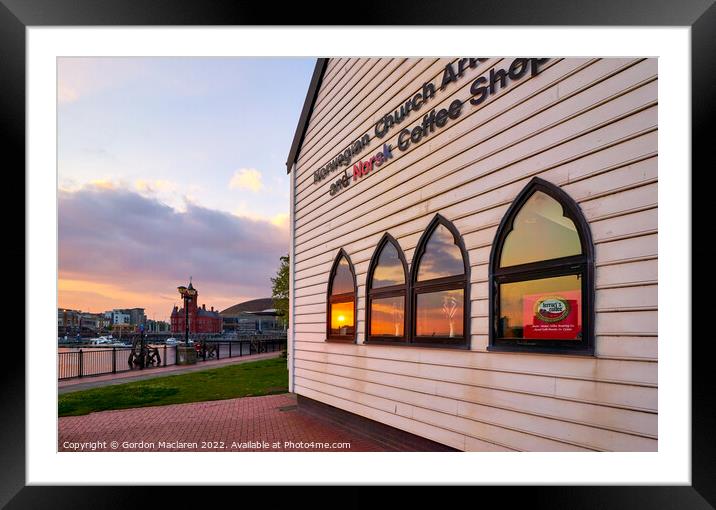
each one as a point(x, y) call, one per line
point(440, 287)
point(341, 302)
point(386, 286)
point(542, 274)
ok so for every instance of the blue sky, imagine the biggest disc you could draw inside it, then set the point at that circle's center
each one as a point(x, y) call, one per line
point(186, 138)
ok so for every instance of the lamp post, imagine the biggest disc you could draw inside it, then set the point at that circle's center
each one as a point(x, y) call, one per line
point(187, 293)
point(182, 293)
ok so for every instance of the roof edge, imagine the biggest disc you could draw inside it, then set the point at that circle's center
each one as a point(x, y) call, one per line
point(308, 104)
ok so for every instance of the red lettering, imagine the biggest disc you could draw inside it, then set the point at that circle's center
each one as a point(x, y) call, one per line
point(366, 167)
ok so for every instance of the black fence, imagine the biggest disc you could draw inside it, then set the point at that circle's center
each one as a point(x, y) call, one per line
point(112, 360)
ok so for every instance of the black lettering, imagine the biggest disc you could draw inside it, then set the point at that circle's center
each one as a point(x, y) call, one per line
point(518, 68)
point(461, 66)
point(399, 117)
point(500, 75)
point(380, 132)
point(536, 64)
point(448, 76)
point(365, 140)
point(454, 109)
point(441, 118)
point(408, 106)
point(404, 143)
point(416, 134)
point(431, 121)
point(428, 90)
point(480, 93)
point(418, 100)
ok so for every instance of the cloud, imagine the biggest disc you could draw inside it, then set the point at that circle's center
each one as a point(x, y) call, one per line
point(280, 220)
point(66, 94)
point(156, 186)
point(134, 250)
point(246, 178)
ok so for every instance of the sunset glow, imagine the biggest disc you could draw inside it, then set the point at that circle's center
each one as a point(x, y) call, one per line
point(151, 193)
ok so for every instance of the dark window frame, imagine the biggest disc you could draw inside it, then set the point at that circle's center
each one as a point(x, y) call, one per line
point(341, 298)
point(387, 292)
point(582, 264)
point(438, 284)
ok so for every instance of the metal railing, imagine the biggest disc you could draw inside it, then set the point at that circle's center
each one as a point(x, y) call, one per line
point(101, 361)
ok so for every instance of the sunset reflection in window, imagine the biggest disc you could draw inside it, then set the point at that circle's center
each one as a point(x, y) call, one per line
point(440, 313)
point(387, 316)
point(387, 292)
point(440, 288)
point(343, 279)
point(341, 300)
point(442, 256)
point(342, 318)
point(389, 270)
point(540, 232)
point(542, 274)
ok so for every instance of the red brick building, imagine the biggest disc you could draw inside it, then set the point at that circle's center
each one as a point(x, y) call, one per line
point(201, 320)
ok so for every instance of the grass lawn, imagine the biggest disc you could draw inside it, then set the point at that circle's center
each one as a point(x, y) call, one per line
point(264, 377)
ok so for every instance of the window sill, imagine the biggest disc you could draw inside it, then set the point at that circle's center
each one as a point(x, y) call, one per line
point(540, 350)
point(461, 346)
point(341, 340)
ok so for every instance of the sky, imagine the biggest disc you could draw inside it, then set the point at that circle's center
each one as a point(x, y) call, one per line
point(170, 168)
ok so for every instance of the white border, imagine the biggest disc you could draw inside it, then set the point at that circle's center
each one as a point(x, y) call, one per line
point(670, 465)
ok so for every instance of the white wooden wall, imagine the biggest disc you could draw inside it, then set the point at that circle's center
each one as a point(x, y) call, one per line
point(587, 125)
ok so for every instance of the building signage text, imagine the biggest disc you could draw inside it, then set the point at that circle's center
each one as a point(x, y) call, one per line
point(480, 89)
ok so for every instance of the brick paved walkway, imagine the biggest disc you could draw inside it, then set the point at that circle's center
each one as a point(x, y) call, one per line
point(96, 381)
point(238, 423)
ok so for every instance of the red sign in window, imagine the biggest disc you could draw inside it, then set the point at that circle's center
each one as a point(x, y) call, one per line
point(552, 316)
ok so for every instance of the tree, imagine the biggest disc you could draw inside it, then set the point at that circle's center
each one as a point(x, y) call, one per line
point(279, 289)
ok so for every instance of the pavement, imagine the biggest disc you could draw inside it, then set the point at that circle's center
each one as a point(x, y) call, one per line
point(268, 423)
point(85, 383)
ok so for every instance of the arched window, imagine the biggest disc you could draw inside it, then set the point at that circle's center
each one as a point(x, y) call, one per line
point(541, 274)
point(440, 292)
point(386, 286)
point(341, 303)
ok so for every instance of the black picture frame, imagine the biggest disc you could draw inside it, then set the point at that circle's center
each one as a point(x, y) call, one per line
point(699, 15)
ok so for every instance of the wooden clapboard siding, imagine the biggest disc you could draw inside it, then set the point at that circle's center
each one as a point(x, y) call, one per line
point(587, 125)
point(493, 121)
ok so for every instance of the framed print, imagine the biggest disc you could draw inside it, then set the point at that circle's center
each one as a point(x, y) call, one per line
point(484, 256)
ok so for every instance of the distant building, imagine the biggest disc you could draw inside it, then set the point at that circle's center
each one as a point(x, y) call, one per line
point(201, 320)
point(121, 317)
point(251, 317)
point(126, 319)
point(153, 326)
point(72, 322)
point(136, 316)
